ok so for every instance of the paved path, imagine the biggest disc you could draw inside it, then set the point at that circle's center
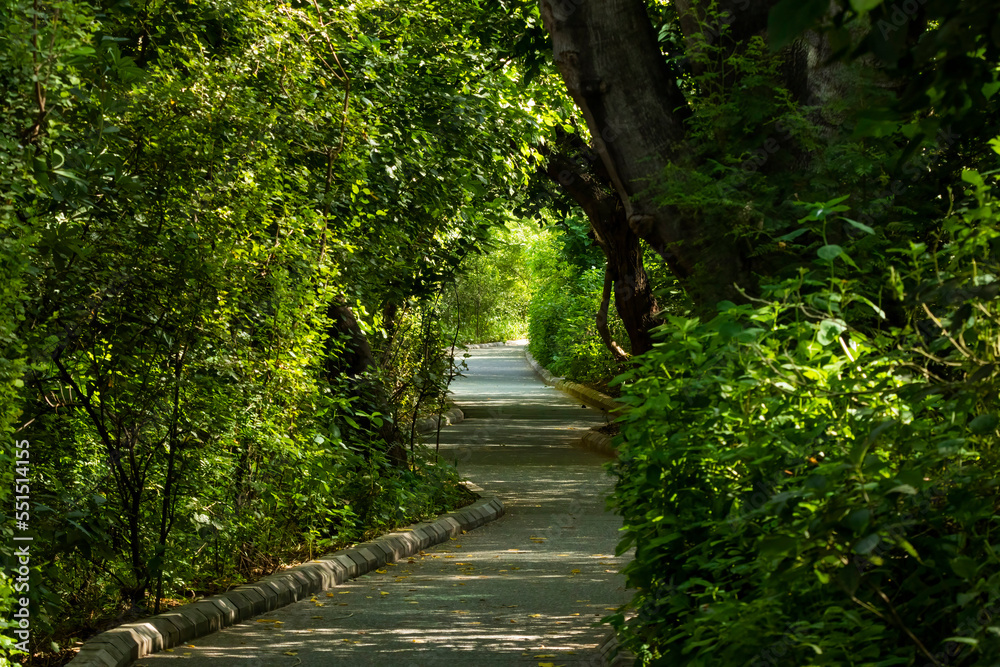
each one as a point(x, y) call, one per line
point(523, 590)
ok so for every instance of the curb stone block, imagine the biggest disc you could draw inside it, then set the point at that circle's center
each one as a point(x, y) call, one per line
point(436, 532)
point(348, 564)
point(371, 558)
point(214, 615)
point(97, 654)
point(113, 651)
point(359, 561)
point(167, 631)
point(281, 592)
point(288, 584)
point(339, 570)
point(327, 572)
point(152, 641)
point(305, 583)
point(200, 621)
point(121, 645)
point(268, 594)
point(127, 648)
point(423, 538)
point(242, 604)
point(125, 644)
point(185, 628)
point(383, 547)
point(454, 527)
point(312, 580)
point(133, 638)
point(318, 574)
point(376, 552)
point(253, 596)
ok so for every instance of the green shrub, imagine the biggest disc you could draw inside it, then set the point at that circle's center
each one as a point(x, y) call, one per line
point(561, 328)
point(806, 483)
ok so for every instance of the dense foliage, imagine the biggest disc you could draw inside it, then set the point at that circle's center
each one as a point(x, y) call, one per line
point(809, 477)
point(803, 491)
point(562, 330)
point(489, 299)
point(197, 202)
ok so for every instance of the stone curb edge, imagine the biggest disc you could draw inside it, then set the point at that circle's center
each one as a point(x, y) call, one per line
point(122, 646)
point(594, 399)
point(430, 424)
point(480, 346)
point(595, 441)
point(613, 656)
point(592, 440)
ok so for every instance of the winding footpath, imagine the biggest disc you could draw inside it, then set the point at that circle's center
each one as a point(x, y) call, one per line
point(526, 589)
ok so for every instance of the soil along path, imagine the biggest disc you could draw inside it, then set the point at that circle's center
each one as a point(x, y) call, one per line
point(522, 590)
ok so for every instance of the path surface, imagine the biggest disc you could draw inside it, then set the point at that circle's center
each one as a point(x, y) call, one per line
point(523, 590)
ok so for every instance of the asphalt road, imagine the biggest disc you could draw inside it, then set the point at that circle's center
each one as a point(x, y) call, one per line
point(527, 589)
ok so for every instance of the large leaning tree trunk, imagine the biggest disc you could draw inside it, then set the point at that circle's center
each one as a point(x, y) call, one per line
point(581, 175)
point(611, 63)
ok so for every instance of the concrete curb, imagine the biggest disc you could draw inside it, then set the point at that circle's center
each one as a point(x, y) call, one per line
point(125, 644)
point(612, 656)
point(542, 372)
point(430, 424)
point(594, 399)
point(595, 441)
point(480, 346)
point(592, 440)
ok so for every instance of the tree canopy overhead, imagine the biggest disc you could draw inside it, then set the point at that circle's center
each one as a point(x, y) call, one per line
point(235, 237)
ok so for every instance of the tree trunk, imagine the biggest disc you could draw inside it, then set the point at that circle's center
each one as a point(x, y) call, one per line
point(581, 175)
point(607, 53)
point(358, 362)
point(602, 318)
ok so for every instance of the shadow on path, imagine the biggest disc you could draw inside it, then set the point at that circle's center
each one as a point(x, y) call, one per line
point(527, 588)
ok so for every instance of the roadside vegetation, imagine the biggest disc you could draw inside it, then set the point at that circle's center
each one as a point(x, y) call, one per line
point(239, 241)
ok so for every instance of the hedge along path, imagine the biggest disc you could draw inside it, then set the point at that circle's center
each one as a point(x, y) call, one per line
point(525, 589)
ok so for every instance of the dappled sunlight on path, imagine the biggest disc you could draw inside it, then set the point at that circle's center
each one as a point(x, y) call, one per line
point(525, 589)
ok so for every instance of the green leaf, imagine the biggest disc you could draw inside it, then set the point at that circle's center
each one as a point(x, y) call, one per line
point(859, 225)
point(983, 424)
point(791, 236)
point(830, 252)
point(790, 18)
point(867, 544)
point(829, 330)
point(964, 566)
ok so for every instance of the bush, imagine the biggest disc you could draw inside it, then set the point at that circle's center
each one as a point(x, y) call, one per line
point(805, 484)
point(561, 326)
